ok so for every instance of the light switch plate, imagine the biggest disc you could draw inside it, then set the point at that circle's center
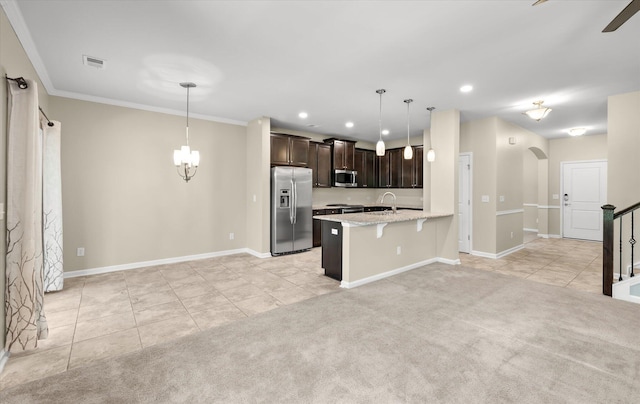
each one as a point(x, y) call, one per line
point(501, 198)
point(555, 196)
point(485, 198)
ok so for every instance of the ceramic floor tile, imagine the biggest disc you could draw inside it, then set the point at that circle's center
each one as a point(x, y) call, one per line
point(204, 302)
point(243, 293)
point(194, 289)
point(58, 336)
point(154, 286)
point(258, 304)
point(35, 366)
point(166, 330)
point(118, 343)
point(218, 315)
point(159, 312)
point(60, 318)
point(152, 299)
point(53, 303)
point(230, 284)
point(105, 299)
point(104, 325)
point(292, 295)
point(87, 313)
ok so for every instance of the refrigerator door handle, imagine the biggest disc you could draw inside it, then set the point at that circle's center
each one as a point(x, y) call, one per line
point(295, 202)
point(292, 203)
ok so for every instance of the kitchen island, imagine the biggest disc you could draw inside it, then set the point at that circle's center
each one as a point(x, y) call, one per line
point(359, 248)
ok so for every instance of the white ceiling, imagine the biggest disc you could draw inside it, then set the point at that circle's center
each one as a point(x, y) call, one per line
point(277, 58)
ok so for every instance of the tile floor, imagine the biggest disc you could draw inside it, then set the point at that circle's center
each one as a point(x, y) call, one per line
point(100, 316)
point(569, 263)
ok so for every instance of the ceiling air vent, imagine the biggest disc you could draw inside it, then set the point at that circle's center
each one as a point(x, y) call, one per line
point(94, 62)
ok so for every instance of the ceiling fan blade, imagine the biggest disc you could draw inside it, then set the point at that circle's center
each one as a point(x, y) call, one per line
point(538, 2)
point(624, 15)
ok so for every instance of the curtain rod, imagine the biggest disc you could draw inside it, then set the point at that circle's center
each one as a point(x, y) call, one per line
point(22, 83)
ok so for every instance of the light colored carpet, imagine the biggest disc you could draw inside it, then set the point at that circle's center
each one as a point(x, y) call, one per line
point(435, 334)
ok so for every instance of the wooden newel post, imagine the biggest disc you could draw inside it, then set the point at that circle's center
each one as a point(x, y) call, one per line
point(607, 249)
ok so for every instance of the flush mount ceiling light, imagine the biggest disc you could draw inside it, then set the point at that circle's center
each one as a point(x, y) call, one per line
point(538, 113)
point(349, 124)
point(303, 115)
point(185, 159)
point(466, 88)
point(577, 131)
point(408, 151)
point(385, 132)
point(431, 154)
point(380, 149)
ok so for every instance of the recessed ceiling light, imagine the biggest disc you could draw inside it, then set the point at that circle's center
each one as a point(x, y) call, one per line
point(577, 131)
point(349, 124)
point(303, 115)
point(385, 131)
point(466, 88)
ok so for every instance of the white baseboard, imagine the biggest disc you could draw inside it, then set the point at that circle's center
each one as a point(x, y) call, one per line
point(448, 261)
point(531, 230)
point(360, 282)
point(498, 255)
point(4, 357)
point(164, 261)
point(549, 235)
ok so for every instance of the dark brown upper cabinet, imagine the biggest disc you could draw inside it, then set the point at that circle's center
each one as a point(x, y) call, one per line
point(289, 150)
point(343, 154)
point(365, 165)
point(412, 169)
point(390, 169)
point(320, 163)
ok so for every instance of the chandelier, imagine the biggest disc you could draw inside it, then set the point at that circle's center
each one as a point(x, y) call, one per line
point(185, 159)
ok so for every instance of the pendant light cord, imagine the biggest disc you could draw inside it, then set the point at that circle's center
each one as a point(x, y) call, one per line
point(188, 87)
point(380, 114)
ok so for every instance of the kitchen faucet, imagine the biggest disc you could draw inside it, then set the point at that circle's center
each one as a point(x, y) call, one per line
point(393, 207)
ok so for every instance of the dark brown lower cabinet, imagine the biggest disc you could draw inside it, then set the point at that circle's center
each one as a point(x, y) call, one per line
point(332, 249)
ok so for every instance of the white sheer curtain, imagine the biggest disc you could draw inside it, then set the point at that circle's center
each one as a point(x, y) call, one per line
point(24, 294)
point(52, 207)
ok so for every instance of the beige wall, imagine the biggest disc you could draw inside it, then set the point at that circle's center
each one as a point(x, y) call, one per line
point(13, 63)
point(623, 173)
point(581, 148)
point(122, 198)
point(258, 185)
point(479, 137)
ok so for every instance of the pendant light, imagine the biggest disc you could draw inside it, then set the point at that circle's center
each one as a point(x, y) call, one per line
point(380, 149)
point(186, 159)
point(408, 151)
point(431, 154)
point(539, 112)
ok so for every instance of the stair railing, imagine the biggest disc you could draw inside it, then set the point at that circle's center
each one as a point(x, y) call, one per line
point(609, 218)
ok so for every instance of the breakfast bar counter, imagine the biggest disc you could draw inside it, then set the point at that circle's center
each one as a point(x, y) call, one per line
point(358, 248)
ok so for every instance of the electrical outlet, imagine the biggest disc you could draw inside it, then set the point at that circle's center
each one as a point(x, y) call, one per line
point(511, 234)
point(398, 250)
point(231, 236)
point(254, 197)
point(80, 252)
point(501, 198)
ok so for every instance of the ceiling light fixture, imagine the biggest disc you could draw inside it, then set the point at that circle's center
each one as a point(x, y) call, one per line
point(408, 151)
point(380, 149)
point(349, 124)
point(303, 115)
point(185, 159)
point(539, 112)
point(577, 131)
point(466, 88)
point(431, 154)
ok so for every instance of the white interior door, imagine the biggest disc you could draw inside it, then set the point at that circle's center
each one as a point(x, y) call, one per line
point(584, 191)
point(464, 203)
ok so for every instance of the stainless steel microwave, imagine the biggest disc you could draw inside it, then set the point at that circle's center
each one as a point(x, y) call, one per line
point(345, 178)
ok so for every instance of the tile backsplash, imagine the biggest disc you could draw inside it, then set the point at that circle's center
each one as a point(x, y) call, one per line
point(364, 196)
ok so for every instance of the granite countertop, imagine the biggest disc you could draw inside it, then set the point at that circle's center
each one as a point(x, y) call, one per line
point(368, 205)
point(369, 218)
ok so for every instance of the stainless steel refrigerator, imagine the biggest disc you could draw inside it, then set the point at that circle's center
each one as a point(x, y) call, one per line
point(291, 213)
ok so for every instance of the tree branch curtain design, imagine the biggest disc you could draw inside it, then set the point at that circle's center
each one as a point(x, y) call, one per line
point(28, 253)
